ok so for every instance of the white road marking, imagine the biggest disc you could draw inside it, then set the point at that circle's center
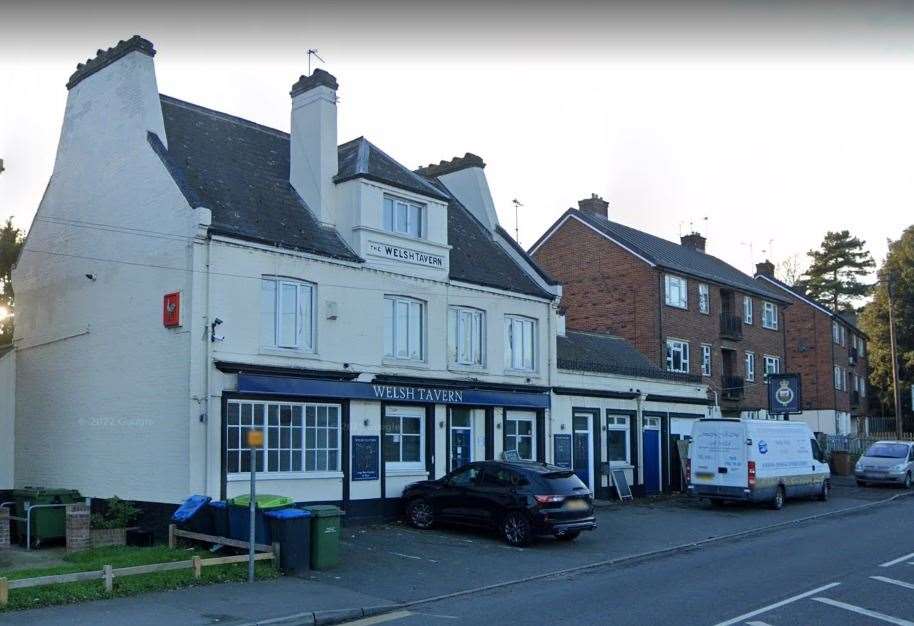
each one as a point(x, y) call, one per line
point(758, 623)
point(892, 581)
point(778, 605)
point(861, 611)
point(407, 556)
point(906, 557)
point(379, 619)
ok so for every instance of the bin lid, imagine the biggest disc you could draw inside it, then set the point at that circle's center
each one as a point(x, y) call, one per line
point(218, 504)
point(323, 510)
point(288, 514)
point(263, 501)
point(190, 508)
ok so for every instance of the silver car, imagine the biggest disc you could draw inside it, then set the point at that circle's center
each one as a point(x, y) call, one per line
point(887, 462)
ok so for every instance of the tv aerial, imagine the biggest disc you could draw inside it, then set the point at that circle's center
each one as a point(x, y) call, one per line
point(312, 52)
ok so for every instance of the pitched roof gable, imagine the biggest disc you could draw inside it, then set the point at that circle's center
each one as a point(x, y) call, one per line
point(360, 158)
point(849, 319)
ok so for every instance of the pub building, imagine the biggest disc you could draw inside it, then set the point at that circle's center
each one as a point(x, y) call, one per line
point(377, 323)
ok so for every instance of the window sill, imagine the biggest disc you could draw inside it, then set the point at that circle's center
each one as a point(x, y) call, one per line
point(467, 369)
point(677, 306)
point(532, 374)
point(774, 328)
point(400, 471)
point(246, 477)
point(413, 365)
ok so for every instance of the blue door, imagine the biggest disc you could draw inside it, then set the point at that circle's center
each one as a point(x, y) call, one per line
point(651, 460)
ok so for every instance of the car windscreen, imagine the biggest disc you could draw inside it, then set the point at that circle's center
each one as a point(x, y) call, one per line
point(563, 483)
point(887, 451)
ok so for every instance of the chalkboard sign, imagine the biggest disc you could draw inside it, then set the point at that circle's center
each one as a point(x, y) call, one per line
point(365, 457)
point(621, 484)
point(562, 451)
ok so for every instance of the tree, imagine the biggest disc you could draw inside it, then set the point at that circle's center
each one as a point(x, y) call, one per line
point(899, 269)
point(835, 271)
point(10, 243)
point(788, 271)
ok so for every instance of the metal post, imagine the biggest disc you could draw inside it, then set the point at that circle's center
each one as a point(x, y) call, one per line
point(253, 515)
point(899, 425)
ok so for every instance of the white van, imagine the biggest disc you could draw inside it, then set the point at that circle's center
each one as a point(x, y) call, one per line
point(755, 460)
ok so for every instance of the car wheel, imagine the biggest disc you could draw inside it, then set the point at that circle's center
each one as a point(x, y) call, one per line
point(907, 481)
point(778, 503)
point(569, 536)
point(826, 489)
point(516, 529)
point(420, 514)
point(861, 483)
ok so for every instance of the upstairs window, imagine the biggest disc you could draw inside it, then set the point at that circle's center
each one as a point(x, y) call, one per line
point(520, 343)
point(836, 333)
point(772, 366)
point(677, 293)
point(770, 316)
point(677, 356)
point(404, 328)
point(287, 314)
point(747, 310)
point(466, 336)
point(861, 347)
point(750, 367)
point(403, 216)
point(704, 299)
point(705, 360)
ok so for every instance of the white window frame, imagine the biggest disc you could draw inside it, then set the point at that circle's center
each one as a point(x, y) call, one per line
point(747, 310)
point(769, 358)
point(461, 318)
point(704, 299)
point(400, 413)
point(861, 348)
point(680, 287)
point(835, 333)
point(770, 315)
point(750, 366)
point(521, 416)
point(409, 224)
point(836, 377)
point(393, 304)
point(305, 293)
point(516, 337)
point(619, 423)
point(682, 346)
point(705, 359)
point(273, 437)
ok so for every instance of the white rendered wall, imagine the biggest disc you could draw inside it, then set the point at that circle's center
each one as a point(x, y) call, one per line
point(7, 418)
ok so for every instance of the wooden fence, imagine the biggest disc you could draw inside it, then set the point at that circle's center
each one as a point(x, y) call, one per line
point(109, 573)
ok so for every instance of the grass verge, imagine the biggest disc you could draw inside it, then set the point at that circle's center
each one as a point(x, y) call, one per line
point(92, 560)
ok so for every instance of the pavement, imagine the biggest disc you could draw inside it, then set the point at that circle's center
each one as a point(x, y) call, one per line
point(392, 564)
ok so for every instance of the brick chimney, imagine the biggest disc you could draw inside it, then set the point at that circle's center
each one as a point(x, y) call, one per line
point(313, 160)
point(765, 268)
point(594, 204)
point(694, 241)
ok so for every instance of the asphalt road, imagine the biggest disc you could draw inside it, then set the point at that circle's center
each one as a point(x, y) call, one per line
point(852, 569)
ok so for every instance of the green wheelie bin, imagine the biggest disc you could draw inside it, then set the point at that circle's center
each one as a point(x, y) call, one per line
point(325, 535)
point(48, 522)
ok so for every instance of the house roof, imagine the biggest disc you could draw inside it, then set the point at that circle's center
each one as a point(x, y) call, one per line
point(240, 171)
point(849, 318)
point(600, 352)
point(668, 255)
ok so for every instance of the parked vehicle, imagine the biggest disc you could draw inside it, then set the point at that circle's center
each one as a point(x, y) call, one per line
point(886, 462)
point(756, 461)
point(521, 500)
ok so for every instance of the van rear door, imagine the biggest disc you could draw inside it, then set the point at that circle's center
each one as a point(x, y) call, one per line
point(718, 454)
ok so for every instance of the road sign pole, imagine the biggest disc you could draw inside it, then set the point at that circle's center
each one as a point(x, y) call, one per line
point(253, 514)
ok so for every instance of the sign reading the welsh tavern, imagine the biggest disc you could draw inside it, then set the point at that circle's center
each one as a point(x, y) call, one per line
point(407, 255)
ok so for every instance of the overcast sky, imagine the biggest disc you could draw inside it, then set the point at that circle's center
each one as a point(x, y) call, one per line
point(763, 124)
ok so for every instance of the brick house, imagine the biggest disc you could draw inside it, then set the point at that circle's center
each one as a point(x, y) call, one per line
point(686, 310)
point(829, 351)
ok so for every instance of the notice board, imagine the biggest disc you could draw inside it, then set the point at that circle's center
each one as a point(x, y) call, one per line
point(562, 450)
point(366, 457)
point(620, 482)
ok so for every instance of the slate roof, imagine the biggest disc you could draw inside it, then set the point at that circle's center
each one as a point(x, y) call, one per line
point(673, 256)
point(600, 352)
point(240, 171)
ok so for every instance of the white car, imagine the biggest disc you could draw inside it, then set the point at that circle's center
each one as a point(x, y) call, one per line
point(886, 462)
point(756, 461)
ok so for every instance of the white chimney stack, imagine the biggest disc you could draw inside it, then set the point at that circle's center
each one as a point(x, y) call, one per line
point(313, 160)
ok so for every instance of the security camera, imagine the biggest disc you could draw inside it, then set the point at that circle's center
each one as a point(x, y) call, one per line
point(217, 321)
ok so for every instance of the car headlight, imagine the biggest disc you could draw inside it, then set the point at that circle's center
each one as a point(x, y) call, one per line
point(900, 467)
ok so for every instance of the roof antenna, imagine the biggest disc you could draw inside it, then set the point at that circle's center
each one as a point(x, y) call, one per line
point(312, 52)
point(517, 204)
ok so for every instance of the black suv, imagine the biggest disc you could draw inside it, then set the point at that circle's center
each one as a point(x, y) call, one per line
point(520, 499)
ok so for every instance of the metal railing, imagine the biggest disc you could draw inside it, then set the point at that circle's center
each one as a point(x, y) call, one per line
point(731, 326)
point(28, 518)
point(732, 387)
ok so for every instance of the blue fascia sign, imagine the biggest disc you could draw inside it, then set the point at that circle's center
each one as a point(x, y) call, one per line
point(784, 394)
point(318, 388)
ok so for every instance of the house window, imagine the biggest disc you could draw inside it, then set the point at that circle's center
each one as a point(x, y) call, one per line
point(835, 333)
point(861, 347)
point(287, 314)
point(404, 436)
point(837, 378)
point(861, 386)
point(298, 437)
point(677, 356)
point(403, 217)
point(704, 299)
point(520, 434)
point(617, 439)
point(770, 316)
point(747, 310)
point(466, 336)
point(772, 365)
point(750, 367)
point(705, 359)
point(520, 343)
point(404, 327)
point(677, 294)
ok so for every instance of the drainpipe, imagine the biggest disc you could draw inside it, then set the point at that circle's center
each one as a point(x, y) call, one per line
point(639, 424)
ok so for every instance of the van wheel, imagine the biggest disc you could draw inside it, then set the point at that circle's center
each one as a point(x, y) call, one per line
point(778, 503)
point(516, 529)
point(826, 489)
point(420, 514)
